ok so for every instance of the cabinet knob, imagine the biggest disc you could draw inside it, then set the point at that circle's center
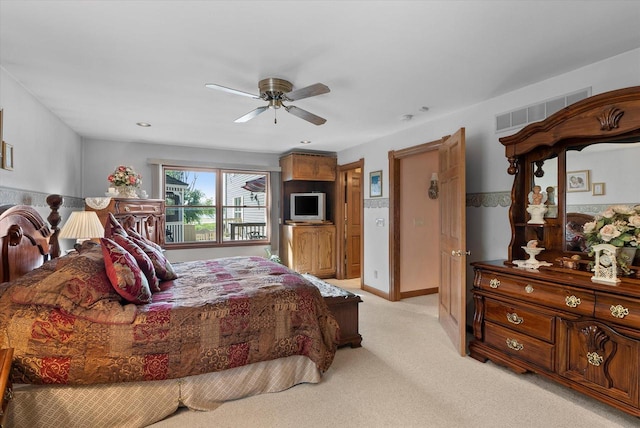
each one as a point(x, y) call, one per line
point(514, 344)
point(494, 283)
point(572, 301)
point(619, 311)
point(513, 318)
point(529, 288)
point(594, 359)
point(127, 209)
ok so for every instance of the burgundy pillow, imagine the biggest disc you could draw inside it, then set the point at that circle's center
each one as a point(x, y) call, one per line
point(124, 273)
point(164, 270)
point(144, 262)
point(136, 235)
point(116, 227)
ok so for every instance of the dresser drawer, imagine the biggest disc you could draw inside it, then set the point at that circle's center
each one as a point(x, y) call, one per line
point(520, 319)
point(137, 207)
point(520, 345)
point(619, 310)
point(556, 296)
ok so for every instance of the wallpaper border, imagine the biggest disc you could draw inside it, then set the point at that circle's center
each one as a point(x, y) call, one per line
point(10, 196)
point(476, 200)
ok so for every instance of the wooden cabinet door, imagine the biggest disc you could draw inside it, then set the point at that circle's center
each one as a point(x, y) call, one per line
point(326, 244)
point(594, 355)
point(302, 166)
point(304, 249)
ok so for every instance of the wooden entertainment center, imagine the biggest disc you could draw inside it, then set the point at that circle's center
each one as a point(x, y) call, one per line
point(554, 320)
point(309, 247)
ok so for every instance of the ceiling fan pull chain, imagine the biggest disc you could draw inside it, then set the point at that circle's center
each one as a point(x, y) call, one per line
point(275, 116)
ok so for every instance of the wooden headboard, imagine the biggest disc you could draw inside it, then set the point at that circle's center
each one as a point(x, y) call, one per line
point(26, 239)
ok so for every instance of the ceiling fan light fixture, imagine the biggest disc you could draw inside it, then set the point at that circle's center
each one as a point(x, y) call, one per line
point(305, 142)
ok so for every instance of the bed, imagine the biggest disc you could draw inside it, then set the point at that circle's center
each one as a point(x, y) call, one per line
point(222, 329)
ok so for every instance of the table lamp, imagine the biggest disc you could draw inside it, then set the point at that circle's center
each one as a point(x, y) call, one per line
point(81, 226)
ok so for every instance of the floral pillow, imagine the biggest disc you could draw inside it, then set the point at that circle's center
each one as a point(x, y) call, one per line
point(124, 273)
point(144, 262)
point(116, 227)
point(79, 286)
point(163, 268)
point(136, 235)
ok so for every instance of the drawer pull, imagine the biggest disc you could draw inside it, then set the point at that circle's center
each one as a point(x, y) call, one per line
point(513, 318)
point(494, 283)
point(572, 301)
point(127, 209)
point(594, 359)
point(529, 288)
point(619, 311)
point(513, 344)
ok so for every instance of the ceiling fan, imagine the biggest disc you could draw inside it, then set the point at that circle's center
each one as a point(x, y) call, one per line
point(276, 91)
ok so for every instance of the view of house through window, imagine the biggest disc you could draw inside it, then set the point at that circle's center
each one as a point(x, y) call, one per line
point(214, 205)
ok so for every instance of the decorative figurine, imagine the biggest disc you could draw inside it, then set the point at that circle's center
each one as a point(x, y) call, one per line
point(532, 250)
point(537, 207)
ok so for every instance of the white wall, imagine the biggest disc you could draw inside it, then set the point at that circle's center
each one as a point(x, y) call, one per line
point(47, 153)
point(488, 231)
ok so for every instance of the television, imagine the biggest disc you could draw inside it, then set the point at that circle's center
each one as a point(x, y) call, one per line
point(308, 207)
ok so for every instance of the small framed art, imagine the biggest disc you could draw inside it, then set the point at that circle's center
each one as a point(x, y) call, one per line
point(598, 189)
point(375, 184)
point(578, 181)
point(7, 156)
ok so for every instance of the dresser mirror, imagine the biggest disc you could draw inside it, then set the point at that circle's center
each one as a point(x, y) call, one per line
point(594, 141)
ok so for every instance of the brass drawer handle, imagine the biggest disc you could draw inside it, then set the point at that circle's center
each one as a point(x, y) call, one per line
point(572, 301)
point(594, 359)
point(619, 311)
point(513, 344)
point(127, 209)
point(494, 283)
point(513, 318)
point(529, 288)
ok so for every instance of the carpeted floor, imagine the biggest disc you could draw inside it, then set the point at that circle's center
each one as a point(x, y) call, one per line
point(407, 374)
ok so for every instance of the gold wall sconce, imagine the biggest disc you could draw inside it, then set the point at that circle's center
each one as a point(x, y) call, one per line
point(433, 188)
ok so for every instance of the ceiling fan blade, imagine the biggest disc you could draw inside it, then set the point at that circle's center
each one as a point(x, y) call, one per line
point(231, 91)
point(251, 114)
point(309, 91)
point(303, 114)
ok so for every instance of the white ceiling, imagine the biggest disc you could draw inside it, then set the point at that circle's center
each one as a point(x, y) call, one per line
point(102, 66)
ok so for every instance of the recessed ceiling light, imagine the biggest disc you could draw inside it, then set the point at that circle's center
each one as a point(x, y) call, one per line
point(305, 142)
point(407, 117)
point(143, 124)
point(424, 108)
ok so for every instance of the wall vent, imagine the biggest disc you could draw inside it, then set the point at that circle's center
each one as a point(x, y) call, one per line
point(537, 112)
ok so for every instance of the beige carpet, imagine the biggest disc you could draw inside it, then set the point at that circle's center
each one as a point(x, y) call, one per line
point(407, 374)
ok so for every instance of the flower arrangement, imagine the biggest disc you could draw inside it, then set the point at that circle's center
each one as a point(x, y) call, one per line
point(618, 225)
point(125, 176)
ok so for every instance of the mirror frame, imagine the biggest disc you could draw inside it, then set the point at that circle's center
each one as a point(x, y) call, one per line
point(608, 117)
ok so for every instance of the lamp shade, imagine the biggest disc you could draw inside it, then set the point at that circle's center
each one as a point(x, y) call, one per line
point(82, 225)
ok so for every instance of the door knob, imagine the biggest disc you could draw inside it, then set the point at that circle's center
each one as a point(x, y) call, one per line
point(459, 253)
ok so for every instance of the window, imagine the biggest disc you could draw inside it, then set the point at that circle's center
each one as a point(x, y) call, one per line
point(206, 206)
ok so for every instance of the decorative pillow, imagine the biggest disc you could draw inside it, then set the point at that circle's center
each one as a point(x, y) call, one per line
point(164, 270)
point(144, 262)
point(78, 286)
point(124, 273)
point(136, 235)
point(116, 227)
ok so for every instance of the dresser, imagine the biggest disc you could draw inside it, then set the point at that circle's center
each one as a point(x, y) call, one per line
point(548, 315)
point(145, 216)
point(5, 383)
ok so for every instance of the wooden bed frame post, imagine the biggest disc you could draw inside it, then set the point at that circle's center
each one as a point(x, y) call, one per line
point(54, 202)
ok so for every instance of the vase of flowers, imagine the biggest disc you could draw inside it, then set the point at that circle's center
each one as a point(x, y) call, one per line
point(126, 181)
point(618, 225)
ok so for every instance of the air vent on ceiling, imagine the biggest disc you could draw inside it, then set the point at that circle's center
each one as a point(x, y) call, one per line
point(537, 112)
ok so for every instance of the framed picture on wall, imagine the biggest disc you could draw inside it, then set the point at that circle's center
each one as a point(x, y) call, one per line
point(578, 181)
point(7, 156)
point(598, 189)
point(375, 184)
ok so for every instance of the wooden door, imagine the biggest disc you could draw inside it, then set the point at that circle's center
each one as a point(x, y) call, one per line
point(453, 260)
point(353, 226)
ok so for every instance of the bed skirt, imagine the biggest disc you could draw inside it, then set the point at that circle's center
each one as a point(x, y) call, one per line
point(138, 404)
